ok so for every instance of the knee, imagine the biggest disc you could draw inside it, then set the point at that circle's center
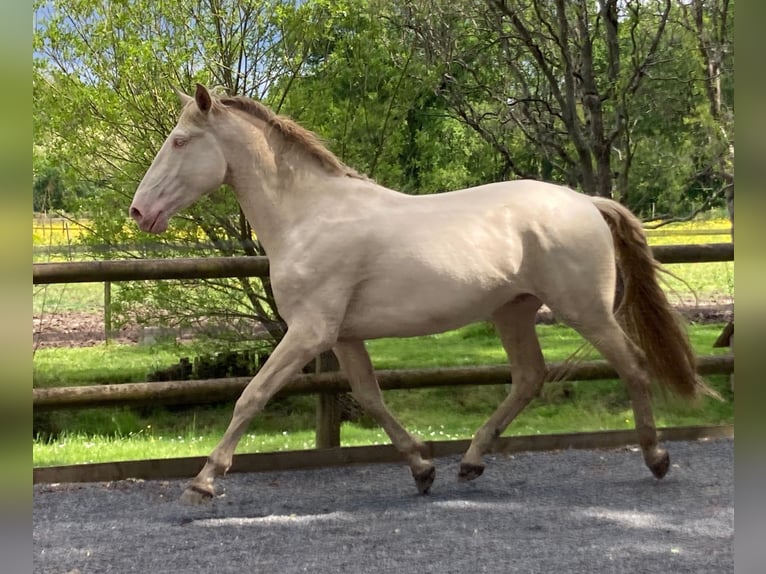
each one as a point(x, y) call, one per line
point(528, 384)
point(529, 393)
point(249, 402)
point(371, 403)
point(314, 337)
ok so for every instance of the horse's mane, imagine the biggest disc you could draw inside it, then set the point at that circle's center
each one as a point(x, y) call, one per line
point(307, 140)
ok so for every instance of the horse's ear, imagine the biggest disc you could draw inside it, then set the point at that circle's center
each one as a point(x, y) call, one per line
point(181, 96)
point(203, 99)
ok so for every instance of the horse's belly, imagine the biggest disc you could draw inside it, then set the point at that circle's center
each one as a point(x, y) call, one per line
point(420, 310)
point(420, 284)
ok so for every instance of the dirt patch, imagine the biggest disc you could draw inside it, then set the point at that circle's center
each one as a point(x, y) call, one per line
point(85, 329)
point(76, 329)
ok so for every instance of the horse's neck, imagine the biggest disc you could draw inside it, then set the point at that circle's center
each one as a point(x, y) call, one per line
point(274, 198)
point(284, 188)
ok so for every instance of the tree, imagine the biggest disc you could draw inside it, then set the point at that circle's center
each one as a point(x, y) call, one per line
point(103, 100)
point(692, 133)
point(423, 97)
point(47, 191)
point(713, 28)
point(603, 96)
point(365, 90)
point(560, 75)
point(51, 194)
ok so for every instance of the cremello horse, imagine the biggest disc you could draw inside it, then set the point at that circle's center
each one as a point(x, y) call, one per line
point(351, 260)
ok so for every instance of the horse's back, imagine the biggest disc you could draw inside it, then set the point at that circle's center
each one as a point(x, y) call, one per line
point(519, 192)
point(532, 215)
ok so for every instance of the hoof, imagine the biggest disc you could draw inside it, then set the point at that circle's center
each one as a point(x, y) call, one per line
point(661, 466)
point(424, 479)
point(194, 496)
point(469, 471)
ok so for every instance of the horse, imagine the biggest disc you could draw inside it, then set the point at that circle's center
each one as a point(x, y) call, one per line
point(352, 260)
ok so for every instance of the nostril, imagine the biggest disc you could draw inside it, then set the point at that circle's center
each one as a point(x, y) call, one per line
point(135, 213)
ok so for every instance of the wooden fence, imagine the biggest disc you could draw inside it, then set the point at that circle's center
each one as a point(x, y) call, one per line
point(217, 267)
point(327, 385)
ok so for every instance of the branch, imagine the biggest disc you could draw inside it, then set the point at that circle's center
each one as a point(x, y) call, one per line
point(566, 101)
point(466, 112)
point(639, 69)
point(382, 138)
point(666, 220)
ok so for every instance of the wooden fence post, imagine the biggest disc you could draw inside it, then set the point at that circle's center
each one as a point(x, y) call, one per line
point(328, 407)
point(108, 311)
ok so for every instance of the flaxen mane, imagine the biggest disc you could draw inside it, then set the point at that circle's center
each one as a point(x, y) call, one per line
point(294, 133)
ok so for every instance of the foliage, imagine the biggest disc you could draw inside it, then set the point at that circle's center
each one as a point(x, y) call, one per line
point(604, 96)
point(379, 112)
point(51, 194)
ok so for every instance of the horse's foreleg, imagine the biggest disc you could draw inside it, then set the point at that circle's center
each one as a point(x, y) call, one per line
point(292, 353)
point(515, 323)
point(355, 362)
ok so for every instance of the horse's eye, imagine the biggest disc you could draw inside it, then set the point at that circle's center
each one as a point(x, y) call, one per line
point(179, 142)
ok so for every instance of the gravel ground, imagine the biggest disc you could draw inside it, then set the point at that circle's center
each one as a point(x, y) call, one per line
point(570, 511)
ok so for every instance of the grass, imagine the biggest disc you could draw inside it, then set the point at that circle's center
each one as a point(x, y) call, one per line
point(102, 364)
point(81, 297)
point(475, 344)
point(447, 415)
point(706, 281)
point(700, 283)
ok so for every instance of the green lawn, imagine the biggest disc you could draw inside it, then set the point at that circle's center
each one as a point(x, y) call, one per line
point(84, 297)
point(707, 281)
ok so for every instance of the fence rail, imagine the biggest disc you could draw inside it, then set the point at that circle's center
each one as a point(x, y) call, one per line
point(149, 269)
point(206, 391)
point(199, 249)
point(217, 267)
point(327, 386)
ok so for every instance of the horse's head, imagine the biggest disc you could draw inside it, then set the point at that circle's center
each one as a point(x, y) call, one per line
point(189, 165)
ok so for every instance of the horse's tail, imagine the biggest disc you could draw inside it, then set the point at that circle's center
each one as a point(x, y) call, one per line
point(645, 312)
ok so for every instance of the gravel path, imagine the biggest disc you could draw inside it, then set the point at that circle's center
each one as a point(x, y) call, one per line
point(564, 512)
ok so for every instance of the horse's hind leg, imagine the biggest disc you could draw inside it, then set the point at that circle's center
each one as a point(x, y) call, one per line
point(590, 314)
point(515, 323)
point(631, 365)
point(355, 362)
